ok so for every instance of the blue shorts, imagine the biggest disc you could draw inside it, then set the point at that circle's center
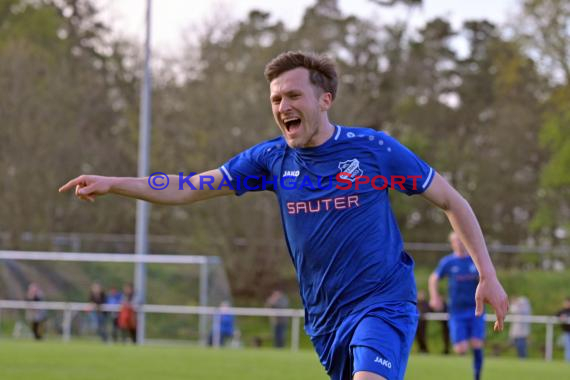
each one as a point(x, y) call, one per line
point(377, 339)
point(466, 326)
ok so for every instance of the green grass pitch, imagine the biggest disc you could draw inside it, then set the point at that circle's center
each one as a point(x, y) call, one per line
point(25, 360)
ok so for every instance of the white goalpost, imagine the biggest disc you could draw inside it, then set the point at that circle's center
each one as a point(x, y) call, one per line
point(208, 309)
point(204, 263)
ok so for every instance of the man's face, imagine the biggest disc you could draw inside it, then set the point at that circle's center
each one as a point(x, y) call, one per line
point(297, 107)
point(457, 245)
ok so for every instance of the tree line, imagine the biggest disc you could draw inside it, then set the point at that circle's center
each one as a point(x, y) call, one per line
point(495, 120)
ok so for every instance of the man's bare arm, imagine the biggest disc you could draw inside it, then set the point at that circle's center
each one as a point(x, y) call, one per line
point(465, 224)
point(435, 301)
point(203, 186)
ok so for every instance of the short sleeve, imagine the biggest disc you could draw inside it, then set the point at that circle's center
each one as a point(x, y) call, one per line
point(247, 171)
point(406, 171)
point(442, 268)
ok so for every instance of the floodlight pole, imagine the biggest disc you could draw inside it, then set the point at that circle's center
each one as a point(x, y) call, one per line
point(143, 208)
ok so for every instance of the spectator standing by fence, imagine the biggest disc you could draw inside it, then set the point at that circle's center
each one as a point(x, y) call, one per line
point(224, 324)
point(114, 299)
point(36, 317)
point(519, 331)
point(98, 298)
point(278, 300)
point(127, 319)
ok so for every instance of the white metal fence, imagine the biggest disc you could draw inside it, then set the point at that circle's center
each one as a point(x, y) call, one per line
point(548, 321)
point(70, 308)
point(296, 316)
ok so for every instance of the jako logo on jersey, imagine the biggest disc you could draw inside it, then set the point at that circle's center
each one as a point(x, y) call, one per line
point(291, 173)
point(351, 167)
point(383, 362)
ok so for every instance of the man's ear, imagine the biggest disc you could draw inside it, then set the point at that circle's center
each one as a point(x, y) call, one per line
point(325, 101)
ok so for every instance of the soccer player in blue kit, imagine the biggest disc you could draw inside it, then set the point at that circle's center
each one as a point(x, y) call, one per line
point(466, 324)
point(356, 281)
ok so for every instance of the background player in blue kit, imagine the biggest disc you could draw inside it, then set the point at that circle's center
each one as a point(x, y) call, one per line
point(356, 281)
point(466, 324)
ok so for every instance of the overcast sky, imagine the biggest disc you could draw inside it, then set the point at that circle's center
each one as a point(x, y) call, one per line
point(171, 18)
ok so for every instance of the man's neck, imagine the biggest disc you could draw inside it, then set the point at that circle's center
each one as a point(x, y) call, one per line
point(326, 131)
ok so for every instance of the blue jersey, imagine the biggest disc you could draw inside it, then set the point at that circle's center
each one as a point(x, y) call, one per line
point(227, 324)
point(463, 279)
point(344, 243)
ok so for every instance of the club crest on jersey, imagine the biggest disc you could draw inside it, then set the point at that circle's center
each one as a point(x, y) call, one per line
point(352, 167)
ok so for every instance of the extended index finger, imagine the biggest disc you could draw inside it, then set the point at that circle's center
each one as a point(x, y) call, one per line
point(71, 184)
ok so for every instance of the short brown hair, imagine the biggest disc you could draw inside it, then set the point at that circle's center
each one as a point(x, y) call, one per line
point(322, 69)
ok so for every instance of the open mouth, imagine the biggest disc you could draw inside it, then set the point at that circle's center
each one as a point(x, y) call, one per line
point(292, 124)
